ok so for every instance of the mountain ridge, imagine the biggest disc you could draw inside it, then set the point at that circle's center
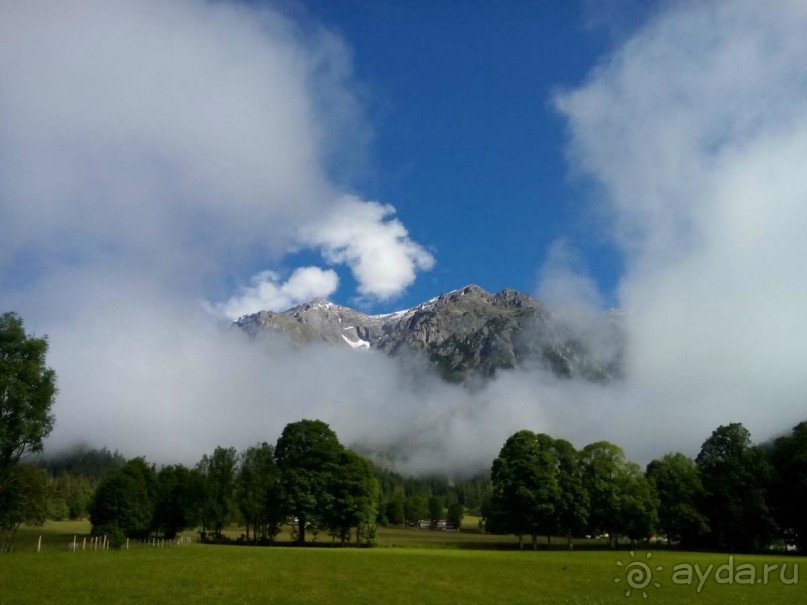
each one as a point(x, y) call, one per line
point(463, 333)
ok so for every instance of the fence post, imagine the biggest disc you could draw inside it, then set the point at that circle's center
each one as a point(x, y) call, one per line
point(39, 544)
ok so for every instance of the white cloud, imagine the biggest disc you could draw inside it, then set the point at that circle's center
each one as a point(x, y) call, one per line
point(148, 149)
point(696, 130)
point(268, 292)
point(564, 281)
point(377, 248)
point(162, 132)
point(150, 152)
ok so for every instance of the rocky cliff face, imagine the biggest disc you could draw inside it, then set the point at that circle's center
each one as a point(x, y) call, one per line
point(463, 333)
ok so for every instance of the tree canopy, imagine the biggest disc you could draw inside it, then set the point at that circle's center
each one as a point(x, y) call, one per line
point(525, 485)
point(677, 482)
point(27, 392)
point(124, 502)
point(735, 477)
point(789, 497)
point(308, 454)
point(258, 493)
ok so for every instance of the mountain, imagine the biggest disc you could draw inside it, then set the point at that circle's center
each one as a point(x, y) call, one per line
point(463, 333)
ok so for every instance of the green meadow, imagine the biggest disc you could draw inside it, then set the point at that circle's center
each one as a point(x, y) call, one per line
point(415, 571)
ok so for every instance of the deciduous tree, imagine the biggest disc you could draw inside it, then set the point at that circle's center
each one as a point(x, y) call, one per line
point(677, 482)
point(435, 507)
point(789, 457)
point(395, 507)
point(308, 454)
point(179, 500)
point(735, 477)
point(27, 392)
point(416, 508)
point(124, 501)
point(621, 501)
point(525, 485)
point(572, 508)
point(258, 492)
point(25, 501)
point(354, 494)
point(455, 514)
point(218, 471)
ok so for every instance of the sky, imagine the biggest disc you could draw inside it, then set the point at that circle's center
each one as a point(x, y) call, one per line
point(166, 167)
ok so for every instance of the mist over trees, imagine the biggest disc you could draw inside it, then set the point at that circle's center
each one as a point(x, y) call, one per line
point(83, 461)
point(734, 496)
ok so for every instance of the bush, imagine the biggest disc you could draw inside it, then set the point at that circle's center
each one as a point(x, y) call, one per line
point(115, 535)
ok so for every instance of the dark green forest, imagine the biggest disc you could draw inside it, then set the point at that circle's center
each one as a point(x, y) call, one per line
point(734, 496)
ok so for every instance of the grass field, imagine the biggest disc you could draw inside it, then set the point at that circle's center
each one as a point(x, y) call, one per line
point(238, 574)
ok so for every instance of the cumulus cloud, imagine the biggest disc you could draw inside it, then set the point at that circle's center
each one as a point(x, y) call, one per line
point(377, 248)
point(695, 130)
point(268, 292)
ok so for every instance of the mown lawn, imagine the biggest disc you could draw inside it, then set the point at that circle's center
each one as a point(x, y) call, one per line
point(238, 574)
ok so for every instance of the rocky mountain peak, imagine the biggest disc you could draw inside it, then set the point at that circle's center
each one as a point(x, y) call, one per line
point(464, 332)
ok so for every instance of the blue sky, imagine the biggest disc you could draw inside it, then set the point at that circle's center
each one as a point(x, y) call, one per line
point(468, 146)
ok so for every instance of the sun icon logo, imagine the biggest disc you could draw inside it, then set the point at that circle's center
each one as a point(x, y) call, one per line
point(638, 575)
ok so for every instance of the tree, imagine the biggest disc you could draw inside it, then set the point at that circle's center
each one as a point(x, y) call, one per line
point(677, 483)
point(25, 501)
point(735, 476)
point(179, 501)
point(71, 495)
point(638, 504)
point(789, 497)
point(82, 461)
point(525, 485)
point(258, 492)
point(572, 507)
point(354, 498)
point(415, 508)
point(124, 502)
point(435, 507)
point(218, 471)
point(455, 514)
point(308, 454)
point(621, 501)
point(27, 391)
point(395, 510)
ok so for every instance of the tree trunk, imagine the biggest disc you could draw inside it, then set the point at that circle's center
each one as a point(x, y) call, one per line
point(569, 537)
point(548, 542)
point(300, 530)
point(534, 541)
point(521, 541)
